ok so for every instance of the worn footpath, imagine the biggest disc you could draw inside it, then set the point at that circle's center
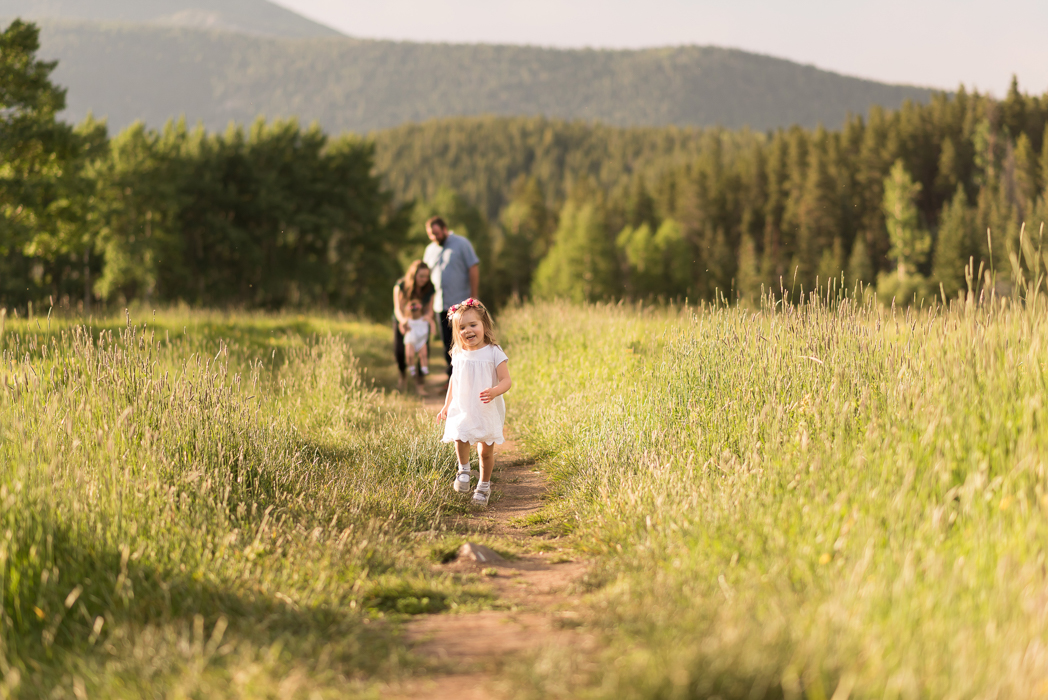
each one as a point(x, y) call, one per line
point(534, 592)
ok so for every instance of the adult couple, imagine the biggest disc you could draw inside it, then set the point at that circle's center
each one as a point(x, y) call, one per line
point(448, 274)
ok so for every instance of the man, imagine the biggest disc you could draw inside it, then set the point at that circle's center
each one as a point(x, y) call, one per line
point(456, 274)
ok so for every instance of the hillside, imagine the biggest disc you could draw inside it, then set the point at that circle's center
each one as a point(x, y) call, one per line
point(247, 16)
point(482, 157)
point(130, 72)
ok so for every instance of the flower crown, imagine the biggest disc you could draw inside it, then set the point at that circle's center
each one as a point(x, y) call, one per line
point(470, 303)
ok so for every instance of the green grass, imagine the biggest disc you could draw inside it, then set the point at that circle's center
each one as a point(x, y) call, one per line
point(806, 501)
point(817, 501)
point(200, 504)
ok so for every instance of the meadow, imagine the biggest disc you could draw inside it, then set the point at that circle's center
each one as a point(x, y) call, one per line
point(827, 499)
point(198, 504)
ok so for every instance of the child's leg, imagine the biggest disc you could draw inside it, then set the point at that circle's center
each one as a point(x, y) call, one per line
point(462, 451)
point(461, 483)
point(420, 381)
point(423, 356)
point(409, 356)
point(487, 461)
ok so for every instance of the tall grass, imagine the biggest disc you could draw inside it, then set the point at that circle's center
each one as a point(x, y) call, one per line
point(825, 499)
point(208, 505)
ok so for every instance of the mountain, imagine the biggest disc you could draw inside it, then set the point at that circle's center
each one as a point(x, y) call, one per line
point(154, 73)
point(246, 16)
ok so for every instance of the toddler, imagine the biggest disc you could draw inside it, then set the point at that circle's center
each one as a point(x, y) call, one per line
point(474, 408)
point(416, 340)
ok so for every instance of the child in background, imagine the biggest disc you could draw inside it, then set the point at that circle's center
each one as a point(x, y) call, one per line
point(416, 341)
point(474, 408)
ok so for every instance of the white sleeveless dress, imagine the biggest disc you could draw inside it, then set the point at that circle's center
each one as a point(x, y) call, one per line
point(470, 420)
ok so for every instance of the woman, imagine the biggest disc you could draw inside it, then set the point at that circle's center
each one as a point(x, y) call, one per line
point(415, 285)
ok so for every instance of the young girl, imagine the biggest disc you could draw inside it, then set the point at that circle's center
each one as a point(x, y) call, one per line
point(474, 407)
point(416, 342)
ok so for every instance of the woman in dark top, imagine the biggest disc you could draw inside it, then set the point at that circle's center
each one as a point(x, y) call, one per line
point(414, 285)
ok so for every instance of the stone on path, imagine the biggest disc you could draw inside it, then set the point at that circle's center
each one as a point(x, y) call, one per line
point(478, 553)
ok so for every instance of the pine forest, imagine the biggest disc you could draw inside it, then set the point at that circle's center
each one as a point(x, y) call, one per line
point(914, 204)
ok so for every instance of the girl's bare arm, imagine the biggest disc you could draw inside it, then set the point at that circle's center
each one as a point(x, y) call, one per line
point(502, 372)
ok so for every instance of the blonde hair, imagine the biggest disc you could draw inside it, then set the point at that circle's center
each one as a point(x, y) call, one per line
point(457, 311)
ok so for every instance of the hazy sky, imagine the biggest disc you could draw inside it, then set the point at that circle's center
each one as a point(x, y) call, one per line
point(938, 43)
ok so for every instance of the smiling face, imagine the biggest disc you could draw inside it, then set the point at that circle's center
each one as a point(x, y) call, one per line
point(470, 330)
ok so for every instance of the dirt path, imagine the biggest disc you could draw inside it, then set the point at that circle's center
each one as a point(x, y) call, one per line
point(469, 650)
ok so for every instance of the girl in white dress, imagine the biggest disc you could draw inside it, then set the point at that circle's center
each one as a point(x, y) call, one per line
point(474, 408)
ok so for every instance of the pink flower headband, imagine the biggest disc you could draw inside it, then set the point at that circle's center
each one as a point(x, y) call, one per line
point(470, 303)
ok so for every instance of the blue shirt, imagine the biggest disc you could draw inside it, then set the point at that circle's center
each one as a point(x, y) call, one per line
point(450, 264)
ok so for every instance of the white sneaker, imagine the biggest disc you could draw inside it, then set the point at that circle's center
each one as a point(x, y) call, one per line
point(480, 498)
point(461, 482)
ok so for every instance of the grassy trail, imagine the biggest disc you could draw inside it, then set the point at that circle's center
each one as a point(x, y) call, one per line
point(214, 505)
point(533, 609)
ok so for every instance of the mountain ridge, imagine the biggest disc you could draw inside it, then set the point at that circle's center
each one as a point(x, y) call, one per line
point(258, 17)
point(154, 73)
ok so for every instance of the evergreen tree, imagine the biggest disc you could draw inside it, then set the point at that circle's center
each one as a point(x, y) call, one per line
point(831, 265)
point(1025, 176)
point(721, 259)
point(860, 269)
point(875, 159)
point(677, 262)
point(656, 261)
point(640, 205)
point(748, 281)
point(581, 264)
point(1044, 158)
point(643, 261)
point(796, 179)
point(43, 192)
point(947, 177)
point(140, 218)
point(998, 226)
point(909, 242)
point(955, 244)
point(773, 266)
point(754, 194)
point(1039, 217)
point(988, 152)
point(526, 232)
point(1013, 110)
point(818, 251)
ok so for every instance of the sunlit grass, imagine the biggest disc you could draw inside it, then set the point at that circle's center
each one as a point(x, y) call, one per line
point(252, 334)
point(200, 504)
point(799, 501)
point(794, 501)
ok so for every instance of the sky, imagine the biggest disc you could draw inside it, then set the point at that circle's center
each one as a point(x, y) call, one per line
point(933, 43)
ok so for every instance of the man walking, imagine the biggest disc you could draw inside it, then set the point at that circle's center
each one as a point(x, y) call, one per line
point(456, 274)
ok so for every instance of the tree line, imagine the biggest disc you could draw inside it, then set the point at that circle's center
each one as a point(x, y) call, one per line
point(266, 216)
point(276, 214)
point(901, 201)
